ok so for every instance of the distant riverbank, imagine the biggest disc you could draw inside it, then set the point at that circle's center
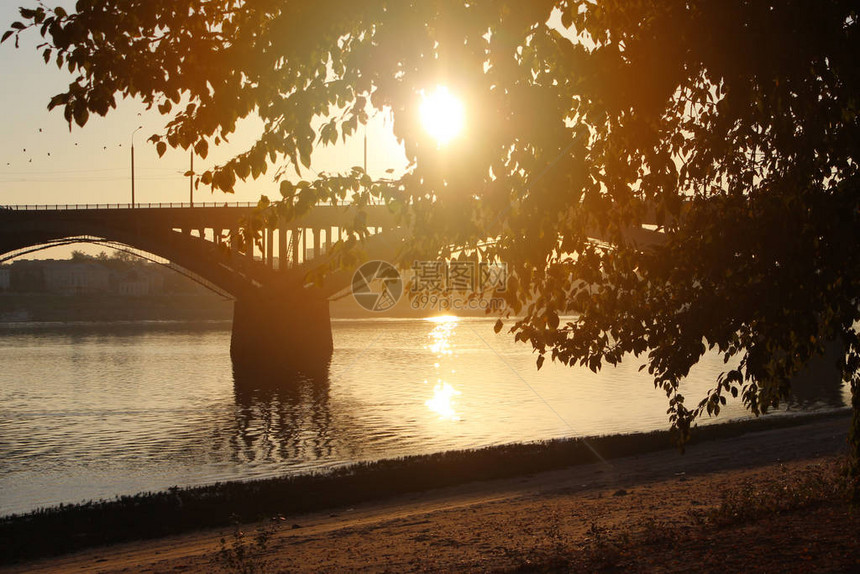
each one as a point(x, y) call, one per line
point(201, 306)
point(44, 307)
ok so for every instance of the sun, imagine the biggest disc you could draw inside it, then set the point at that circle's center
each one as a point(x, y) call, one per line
point(442, 115)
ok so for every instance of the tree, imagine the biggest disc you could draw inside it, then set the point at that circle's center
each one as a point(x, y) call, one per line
point(81, 257)
point(732, 125)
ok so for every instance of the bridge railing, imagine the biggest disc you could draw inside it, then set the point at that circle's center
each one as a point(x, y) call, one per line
point(61, 207)
point(207, 204)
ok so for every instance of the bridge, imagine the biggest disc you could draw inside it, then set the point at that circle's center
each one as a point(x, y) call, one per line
point(260, 257)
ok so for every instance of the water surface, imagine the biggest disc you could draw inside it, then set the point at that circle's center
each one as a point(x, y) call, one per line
point(92, 411)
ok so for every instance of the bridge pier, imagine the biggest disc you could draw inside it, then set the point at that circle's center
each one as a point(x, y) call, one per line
point(284, 331)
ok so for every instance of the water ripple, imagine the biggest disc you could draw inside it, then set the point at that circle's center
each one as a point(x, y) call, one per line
point(92, 411)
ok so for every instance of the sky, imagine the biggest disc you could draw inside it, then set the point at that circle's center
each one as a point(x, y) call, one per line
point(42, 162)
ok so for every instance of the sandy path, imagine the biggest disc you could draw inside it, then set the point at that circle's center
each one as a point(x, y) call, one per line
point(489, 525)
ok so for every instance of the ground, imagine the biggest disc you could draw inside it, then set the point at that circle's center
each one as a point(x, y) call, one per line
point(767, 501)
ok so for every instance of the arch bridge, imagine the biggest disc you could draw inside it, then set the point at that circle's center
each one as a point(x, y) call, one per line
point(258, 257)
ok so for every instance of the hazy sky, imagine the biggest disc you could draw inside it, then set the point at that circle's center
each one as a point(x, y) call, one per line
point(41, 162)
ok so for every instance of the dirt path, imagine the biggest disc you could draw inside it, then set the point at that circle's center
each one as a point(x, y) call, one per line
point(495, 525)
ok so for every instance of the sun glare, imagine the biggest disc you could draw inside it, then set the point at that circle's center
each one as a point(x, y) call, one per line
point(442, 402)
point(442, 115)
point(442, 319)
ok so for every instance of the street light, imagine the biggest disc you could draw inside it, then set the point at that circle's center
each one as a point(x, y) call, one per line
point(132, 164)
point(191, 178)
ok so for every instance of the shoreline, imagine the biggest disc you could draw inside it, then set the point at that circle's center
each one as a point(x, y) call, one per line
point(106, 308)
point(182, 512)
point(23, 308)
point(639, 513)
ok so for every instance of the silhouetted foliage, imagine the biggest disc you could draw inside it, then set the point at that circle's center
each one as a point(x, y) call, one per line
point(732, 125)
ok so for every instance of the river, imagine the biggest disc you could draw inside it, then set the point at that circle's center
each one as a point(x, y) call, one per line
point(93, 411)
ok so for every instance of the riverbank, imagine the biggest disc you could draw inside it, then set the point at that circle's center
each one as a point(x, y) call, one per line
point(46, 307)
point(495, 524)
point(198, 306)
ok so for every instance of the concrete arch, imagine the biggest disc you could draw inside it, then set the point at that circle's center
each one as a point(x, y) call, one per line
point(151, 257)
point(216, 264)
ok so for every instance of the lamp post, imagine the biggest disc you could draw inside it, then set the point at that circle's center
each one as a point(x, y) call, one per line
point(191, 179)
point(132, 164)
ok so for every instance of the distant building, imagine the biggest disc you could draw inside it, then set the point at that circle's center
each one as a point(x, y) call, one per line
point(139, 282)
point(27, 276)
point(69, 278)
point(90, 276)
point(64, 277)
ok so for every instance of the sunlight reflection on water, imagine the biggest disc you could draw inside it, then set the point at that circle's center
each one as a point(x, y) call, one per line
point(442, 401)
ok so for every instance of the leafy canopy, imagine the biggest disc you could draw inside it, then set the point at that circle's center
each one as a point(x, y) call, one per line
point(731, 125)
